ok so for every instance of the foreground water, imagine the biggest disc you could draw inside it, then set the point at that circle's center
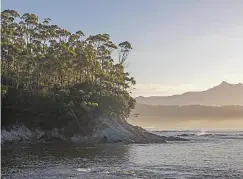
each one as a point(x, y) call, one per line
point(208, 155)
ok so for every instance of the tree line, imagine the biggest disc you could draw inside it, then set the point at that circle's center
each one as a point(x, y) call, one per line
point(42, 63)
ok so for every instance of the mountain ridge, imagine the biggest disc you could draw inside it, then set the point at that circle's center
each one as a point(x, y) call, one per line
point(221, 95)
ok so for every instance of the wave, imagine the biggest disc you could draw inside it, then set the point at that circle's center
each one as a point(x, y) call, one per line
point(197, 134)
point(205, 134)
point(84, 169)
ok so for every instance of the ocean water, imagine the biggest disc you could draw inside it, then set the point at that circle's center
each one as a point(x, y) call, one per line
point(208, 155)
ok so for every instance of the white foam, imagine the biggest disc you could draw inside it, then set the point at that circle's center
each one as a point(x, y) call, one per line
point(84, 169)
point(201, 133)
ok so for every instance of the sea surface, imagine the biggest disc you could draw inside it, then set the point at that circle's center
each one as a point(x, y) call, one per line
point(208, 155)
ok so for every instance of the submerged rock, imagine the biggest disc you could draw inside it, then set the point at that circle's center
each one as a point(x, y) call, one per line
point(172, 138)
point(184, 135)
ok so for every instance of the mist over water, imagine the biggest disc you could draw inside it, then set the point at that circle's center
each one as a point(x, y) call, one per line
point(187, 123)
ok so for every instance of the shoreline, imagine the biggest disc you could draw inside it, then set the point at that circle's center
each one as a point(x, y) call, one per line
point(116, 133)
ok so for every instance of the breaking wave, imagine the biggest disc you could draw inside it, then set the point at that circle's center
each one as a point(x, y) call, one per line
point(210, 134)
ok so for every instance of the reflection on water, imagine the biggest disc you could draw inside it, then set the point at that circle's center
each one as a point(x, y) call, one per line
point(213, 157)
point(63, 153)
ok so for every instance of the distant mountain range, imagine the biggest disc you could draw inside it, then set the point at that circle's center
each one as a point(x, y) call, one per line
point(187, 117)
point(222, 95)
point(189, 111)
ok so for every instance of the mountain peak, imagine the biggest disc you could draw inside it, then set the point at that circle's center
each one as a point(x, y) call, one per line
point(224, 83)
point(221, 86)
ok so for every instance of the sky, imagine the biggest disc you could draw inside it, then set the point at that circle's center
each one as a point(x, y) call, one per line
point(178, 46)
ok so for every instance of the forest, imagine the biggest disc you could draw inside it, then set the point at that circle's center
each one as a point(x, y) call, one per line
point(53, 78)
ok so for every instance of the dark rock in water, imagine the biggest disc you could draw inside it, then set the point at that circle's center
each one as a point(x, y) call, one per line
point(47, 138)
point(117, 141)
point(103, 140)
point(184, 135)
point(172, 138)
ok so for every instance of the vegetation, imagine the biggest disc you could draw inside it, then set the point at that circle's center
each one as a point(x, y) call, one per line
point(54, 78)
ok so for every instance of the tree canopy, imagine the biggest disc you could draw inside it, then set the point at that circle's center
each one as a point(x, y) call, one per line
point(74, 69)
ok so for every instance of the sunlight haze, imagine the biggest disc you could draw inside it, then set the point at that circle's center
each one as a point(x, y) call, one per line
point(177, 47)
point(122, 89)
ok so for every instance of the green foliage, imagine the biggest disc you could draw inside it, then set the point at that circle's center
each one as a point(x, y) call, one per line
point(53, 72)
point(4, 90)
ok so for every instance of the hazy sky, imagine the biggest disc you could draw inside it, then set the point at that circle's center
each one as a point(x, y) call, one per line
point(178, 45)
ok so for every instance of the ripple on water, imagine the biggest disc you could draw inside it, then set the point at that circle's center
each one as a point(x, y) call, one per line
point(208, 159)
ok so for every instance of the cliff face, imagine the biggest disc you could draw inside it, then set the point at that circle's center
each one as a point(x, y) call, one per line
point(20, 133)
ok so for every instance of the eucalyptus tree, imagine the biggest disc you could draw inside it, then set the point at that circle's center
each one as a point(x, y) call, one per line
point(41, 57)
point(9, 47)
point(124, 50)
